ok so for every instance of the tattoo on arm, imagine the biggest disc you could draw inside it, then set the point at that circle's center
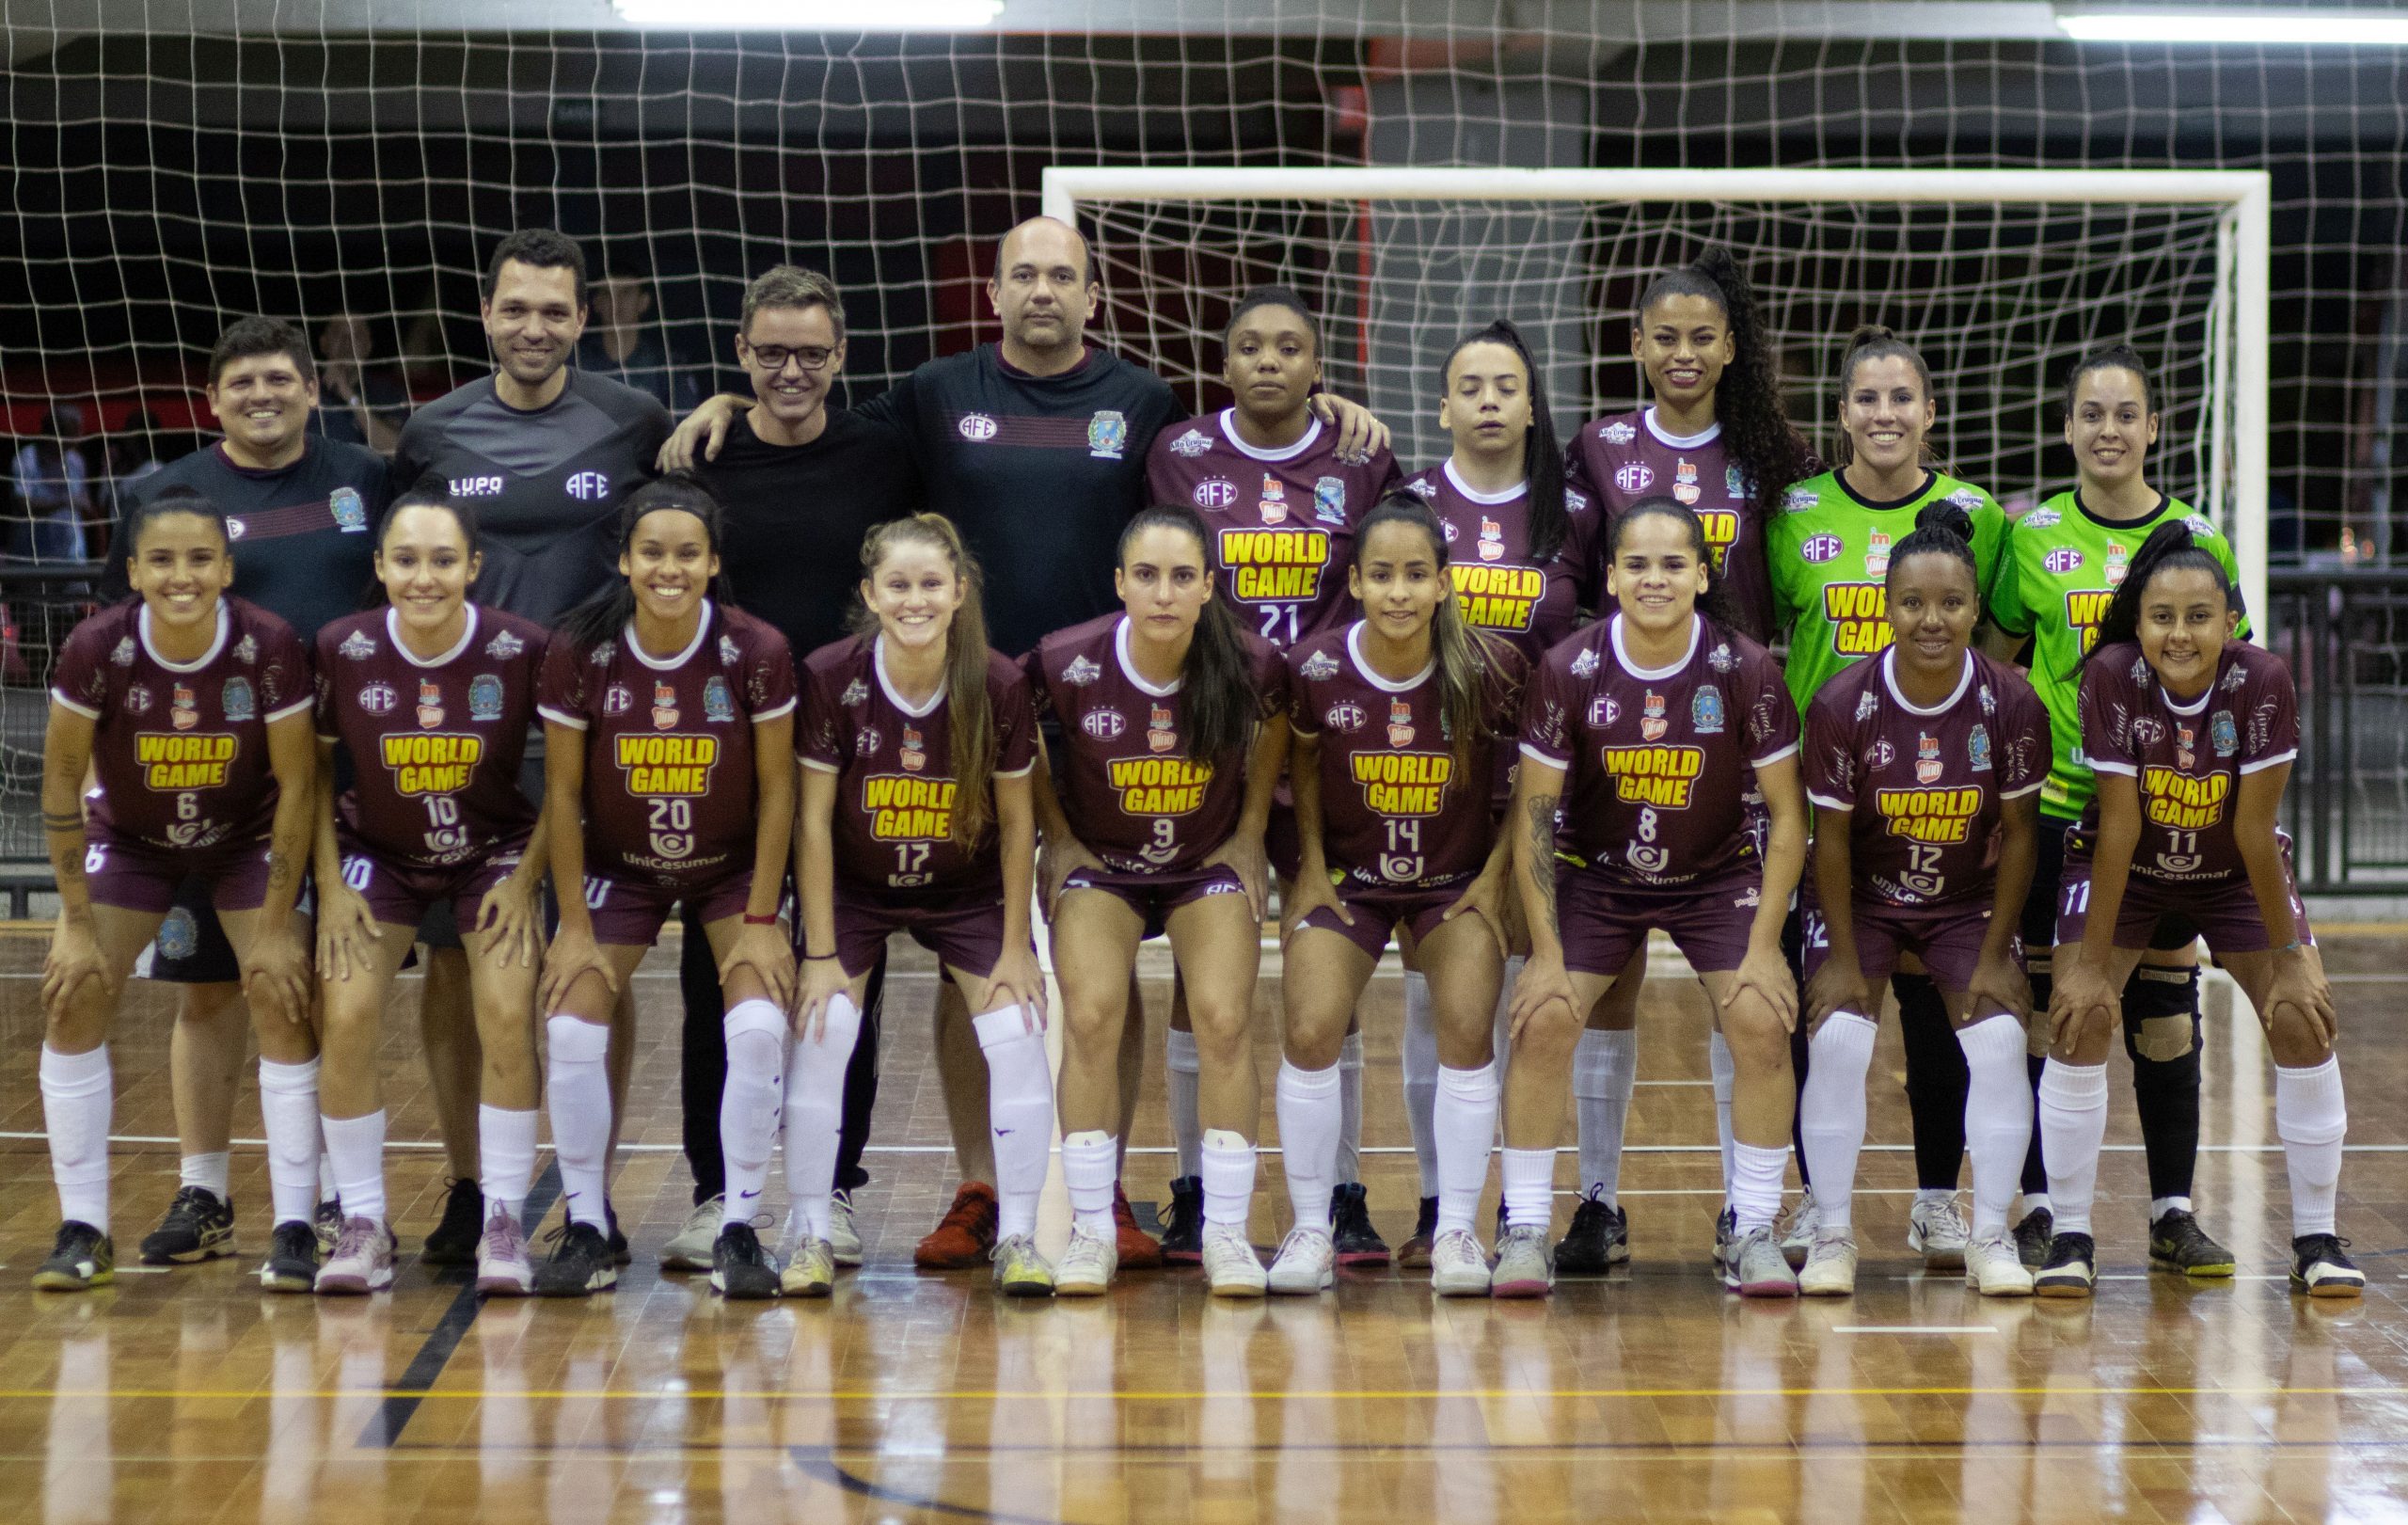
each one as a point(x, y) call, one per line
point(1541, 817)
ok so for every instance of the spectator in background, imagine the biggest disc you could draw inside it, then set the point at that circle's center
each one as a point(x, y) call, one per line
point(54, 492)
point(619, 344)
point(358, 402)
point(132, 452)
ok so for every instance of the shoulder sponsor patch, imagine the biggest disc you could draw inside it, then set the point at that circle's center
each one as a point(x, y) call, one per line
point(1192, 444)
point(359, 645)
point(1321, 664)
point(246, 650)
point(1082, 671)
point(1618, 433)
point(504, 645)
point(856, 692)
point(2041, 518)
point(1585, 665)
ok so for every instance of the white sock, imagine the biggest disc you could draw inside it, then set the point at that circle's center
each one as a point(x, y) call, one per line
point(2074, 1120)
point(2160, 1206)
point(210, 1172)
point(1020, 1114)
point(815, 1115)
point(2039, 1202)
point(1998, 1115)
point(1183, 1070)
point(506, 1155)
point(1350, 1095)
point(1229, 1179)
point(329, 1179)
point(1605, 1066)
point(1466, 1118)
point(1830, 1112)
point(2311, 1119)
point(77, 1094)
point(578, 1095)
point(356, 1145)
point(1091, 1169)
point(1726, 1071)
point(751, 1103)
point(1756, 1175)
point(1530, 1188)
point(288, 1107)
point(1311, 1117)
point(1422, 1077)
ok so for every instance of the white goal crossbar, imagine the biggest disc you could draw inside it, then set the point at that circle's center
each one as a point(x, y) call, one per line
point(2243, 199)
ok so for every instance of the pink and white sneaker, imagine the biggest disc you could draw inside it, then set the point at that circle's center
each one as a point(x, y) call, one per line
point(362, 1261)
point(503, 1268)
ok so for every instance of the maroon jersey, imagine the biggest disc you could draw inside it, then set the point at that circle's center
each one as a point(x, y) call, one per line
point(181, 750)
point(893, 767)
point(670, 799)
point(1924, 785)
point(1135, 798)
point(2188, 759)
point(1397, 812)
point(434, 745)
point(1488, 551)
point(1619, 460)
point(1661, 760)
point(1282, 521)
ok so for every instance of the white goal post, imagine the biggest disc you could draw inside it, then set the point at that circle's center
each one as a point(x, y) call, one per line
point(2242, 201)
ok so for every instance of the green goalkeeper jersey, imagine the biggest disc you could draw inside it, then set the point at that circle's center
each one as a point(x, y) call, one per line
point(2061, 565)
point(1829, 551)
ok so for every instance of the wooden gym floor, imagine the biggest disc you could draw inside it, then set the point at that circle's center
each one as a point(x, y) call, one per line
point(189, 1396)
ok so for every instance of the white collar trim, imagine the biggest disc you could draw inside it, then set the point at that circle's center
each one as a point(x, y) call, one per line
point(1229, 432)
point(877, 663)
point(393, 633)
point(1129, 669)
point(1889, 679)
point(1704, 437)
point(701, 633)
point(1657, 675)
point(225, 625)
point(1355, 653)
point(1487, 499)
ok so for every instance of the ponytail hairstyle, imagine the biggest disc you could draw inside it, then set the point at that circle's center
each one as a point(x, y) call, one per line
point(1771, 455)
point(970, 712)
point(372, 596)
point(2168, 548)
point(601, 617)
point(1465, 654)
point(2114, 357)
point(1941, 528)
point(1714, 602)
point(1214, 680)
point(1875, 342)
point(174, 500)
point(1542, 457)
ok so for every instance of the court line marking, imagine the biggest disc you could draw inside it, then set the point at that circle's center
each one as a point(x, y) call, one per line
point(1913, 1329)
point(789, 1395)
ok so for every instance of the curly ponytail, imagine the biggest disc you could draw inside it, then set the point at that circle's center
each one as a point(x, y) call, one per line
point(1771, 455)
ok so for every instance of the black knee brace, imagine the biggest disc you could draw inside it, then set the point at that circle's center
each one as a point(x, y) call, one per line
point(2162, 1015)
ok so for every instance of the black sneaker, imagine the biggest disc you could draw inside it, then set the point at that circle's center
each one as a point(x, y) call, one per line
point(1413, 1254)
point(292, 1264)
point(1598, 1240)
point(2032, 1237)
point(2071, 1269)
point(454, 1240)
point(620, 1254)
point(2176, 1243)
point(1350, 1227)
point(2319, 1269)
point(199, 1226)
point(326, 1222)
point(580, 1264)
point(742, 1270)
point(1184, 1236)
point(81, 1257)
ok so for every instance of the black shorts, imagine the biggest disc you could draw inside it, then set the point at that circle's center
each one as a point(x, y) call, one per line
point(2039, 930)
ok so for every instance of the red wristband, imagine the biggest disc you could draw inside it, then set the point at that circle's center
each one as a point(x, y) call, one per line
point(752, 920)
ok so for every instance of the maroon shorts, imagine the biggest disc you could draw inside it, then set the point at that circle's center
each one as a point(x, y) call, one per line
point(2225, 914)
point(1154, 896)
point(1604, 924)
point(629, 913)
point(400, 895)
point(1377, 914)
point(134, 875)
point(1947, 938)
point(964, 930)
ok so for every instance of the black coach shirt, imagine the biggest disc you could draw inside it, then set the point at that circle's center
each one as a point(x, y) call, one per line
point(791, 544)
point(303, 538)
point(1041, 474)
point(546, 484)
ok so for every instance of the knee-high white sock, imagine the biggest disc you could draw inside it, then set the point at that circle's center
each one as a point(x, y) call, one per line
point(211, 1172)
point(330, 1181)
point(1350, 1097)
point(1091, 1169)
point(1311, 1117)
point(1725, 1072)
point(2074, 1120)
point(356, 1145)
point(815, 1115)
point(1830, 1112)
point(1466, 1119)
point(1020, 1114)
point(578, 1093)
point(1605, 1066)
point(288, 1107)
point(1422, 1077)
point(506, 1158)
point(77, 1094)
point(1183, 1072)
point(1530, 1188)
point(2311, 1119)
point(750, 1103)
point(1756, 1176)
point(1998, 1115)
point(1229, 1179)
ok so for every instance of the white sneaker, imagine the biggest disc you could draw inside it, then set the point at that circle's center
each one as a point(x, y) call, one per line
point(844, 1235)
point(1995, 1268)
point(1939, 1231)
point(689, 1249)
point(1088, 1266)
point(1804, 1223)
point(1458, 1266)
point(1231, 1268)
point(1307, 1261)
point(1829, 1270)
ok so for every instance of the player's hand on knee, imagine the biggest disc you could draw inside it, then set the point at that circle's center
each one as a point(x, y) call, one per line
point(74, 958)
point(346, 932)
point(1544, 986)
point(1764, 974)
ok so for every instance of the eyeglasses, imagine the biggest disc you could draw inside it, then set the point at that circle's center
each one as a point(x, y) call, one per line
point(773, 357)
